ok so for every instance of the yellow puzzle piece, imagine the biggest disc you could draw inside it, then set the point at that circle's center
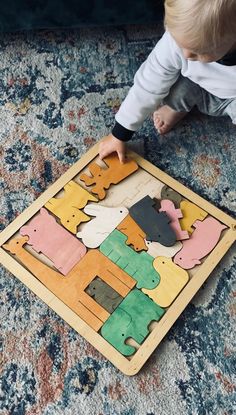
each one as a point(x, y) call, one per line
point(191, 213)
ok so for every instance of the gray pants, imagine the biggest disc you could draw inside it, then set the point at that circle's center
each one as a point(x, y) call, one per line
point(185, 94)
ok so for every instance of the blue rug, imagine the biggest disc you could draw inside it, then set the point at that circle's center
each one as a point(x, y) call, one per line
point(59, 93)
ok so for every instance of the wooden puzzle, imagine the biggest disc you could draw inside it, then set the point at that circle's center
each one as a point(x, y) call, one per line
point(118, 251)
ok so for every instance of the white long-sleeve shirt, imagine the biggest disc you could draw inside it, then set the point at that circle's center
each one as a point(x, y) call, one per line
point(160, 71)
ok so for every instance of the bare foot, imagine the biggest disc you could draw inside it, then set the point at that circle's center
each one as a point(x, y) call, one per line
point(165, 118)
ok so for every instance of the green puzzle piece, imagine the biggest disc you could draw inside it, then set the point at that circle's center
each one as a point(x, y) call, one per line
point(138, 265)
point(131, 319)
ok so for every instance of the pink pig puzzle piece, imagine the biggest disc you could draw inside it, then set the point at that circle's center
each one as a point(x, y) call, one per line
point(201, 243)
point(55, 242)
point(174, 215)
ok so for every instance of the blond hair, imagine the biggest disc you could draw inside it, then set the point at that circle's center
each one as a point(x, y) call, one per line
point(204, 23)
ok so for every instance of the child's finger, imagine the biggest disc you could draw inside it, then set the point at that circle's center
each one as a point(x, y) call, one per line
point(121, 156)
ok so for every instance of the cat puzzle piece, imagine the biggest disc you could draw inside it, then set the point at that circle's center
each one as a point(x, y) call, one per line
point(173, 280)
point(170, 194)
point(131, 319)
point(104, 177)
point(154, 224)
point(168, 207)
point(191, 213)
point(67, 208)
point(155, 249)
point(137, 265)
point(136, 237)
point(50, 238)
point(106, 219)
point(104, 295)
point(202, 241)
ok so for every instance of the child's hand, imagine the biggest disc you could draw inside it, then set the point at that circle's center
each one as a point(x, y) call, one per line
point(111, 144)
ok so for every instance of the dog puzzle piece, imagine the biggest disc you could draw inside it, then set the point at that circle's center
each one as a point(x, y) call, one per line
point(134, 233)
point(155, 249)
point(131, 319)
point(154, 224)
point(67, 208)
point(113, 174)
point(104, 295)
point(170, 194)
point(106, 219)
point(191, 213)
point(202, 242)
point(168, 207)
point(50, 238)
point(173, 280)
point(139, 265)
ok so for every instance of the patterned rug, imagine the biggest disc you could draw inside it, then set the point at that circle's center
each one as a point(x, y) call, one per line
point(59, 93)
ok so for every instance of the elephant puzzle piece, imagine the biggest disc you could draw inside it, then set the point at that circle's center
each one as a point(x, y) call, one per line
point(154, 224)
point(131, 319)
point(50, 238)
point(173, 280)
point(67, 208)
point(204, 238)
point(113, 174)
point(104, 295)
point(138, 265)
point(191, 213)
point(170, 194)
point(174, 214)
point(135, 234)
point(106, 219)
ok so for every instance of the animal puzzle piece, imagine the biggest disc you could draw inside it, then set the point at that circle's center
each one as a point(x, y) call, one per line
point(155, 249)
point(137, 265)
point(190, 213)
point(67, 208)
point(170, 194)
point(134, 233)
point(203, 240)
point(104, 295)
point(154, 224)
point(71, 289)
point(173, 280)
point(103, 178)
point(131, 319)
point(95, 232)
point(168, 207)
point(50, 238)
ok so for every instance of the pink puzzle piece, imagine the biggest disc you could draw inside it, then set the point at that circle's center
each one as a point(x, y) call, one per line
point(50, 238)
point(174, 215)
point(202, 241)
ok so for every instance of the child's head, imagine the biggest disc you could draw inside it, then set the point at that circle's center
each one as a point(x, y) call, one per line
point(204, 29)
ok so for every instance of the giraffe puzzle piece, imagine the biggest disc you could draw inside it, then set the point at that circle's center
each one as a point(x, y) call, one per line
point(71, 289)
point(103, 178)
point(173, 280)
point(131, 319)
point(67, 208)
point(50, 238)
point(191, 213)
point(155, 249)
point(174, 215)
point(203, 240)
point(170, 194)
point(106, 219)
point(154, 224)
point(137, 265)
point(134, 233)
point(104, 295)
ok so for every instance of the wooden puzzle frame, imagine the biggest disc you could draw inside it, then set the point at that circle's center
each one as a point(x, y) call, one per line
point(128, 367)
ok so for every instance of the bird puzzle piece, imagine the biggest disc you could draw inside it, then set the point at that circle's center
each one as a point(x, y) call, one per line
point(67, 208)
point(95, 232)
point(131, 319)
point(137, 265)
point(203, 240)
point(103, 178)
point(173, 280)
point(104, 295)
point(170, 194)
point(71, 289)
point(134, 233)
point(168, 207)
point(154, 224)
point(50, 238)
point(191, 213)
point(155, 249)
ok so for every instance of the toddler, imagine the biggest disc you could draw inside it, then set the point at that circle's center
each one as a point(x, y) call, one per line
point(194, 63)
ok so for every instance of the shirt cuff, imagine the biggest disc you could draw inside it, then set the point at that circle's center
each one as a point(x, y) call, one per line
point(121, 132)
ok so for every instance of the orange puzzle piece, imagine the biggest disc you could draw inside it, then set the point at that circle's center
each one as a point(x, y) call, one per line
point(135, 234)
